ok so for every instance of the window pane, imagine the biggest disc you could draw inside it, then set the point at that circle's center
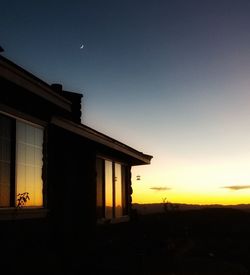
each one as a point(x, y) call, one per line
point(108, 189)
point(99, 187)
point(29, 143)
point(118, 190)
point(124, 193)
point(5, 144)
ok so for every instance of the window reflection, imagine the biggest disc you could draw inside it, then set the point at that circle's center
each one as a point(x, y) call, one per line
point(108, 189)
point(99, 187)
point(5, 156)
point(118, 190)
point(29, 143)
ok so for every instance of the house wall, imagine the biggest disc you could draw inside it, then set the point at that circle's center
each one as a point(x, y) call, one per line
point(71, 184)
point(69, 175)
point(69, 189)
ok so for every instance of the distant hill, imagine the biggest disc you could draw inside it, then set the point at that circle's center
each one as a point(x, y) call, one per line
point(150, 208)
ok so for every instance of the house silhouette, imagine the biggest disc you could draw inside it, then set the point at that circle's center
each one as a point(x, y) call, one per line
point(60, 180)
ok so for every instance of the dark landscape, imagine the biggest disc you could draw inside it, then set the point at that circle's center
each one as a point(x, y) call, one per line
point(202, 240)
point(152, 208)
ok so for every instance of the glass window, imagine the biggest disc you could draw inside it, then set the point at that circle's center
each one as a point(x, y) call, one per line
point(108, 189)
point(21, 162)
point(29, 145)
point(99, 187)
point(110, 184)
point(5, 156)
point(118, 190)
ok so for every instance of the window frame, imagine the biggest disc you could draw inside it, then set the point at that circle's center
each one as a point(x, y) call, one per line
point(28, 212)
point(124, 201)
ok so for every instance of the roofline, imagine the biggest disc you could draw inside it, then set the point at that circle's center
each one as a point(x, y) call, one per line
point(98, 137)
point(16, 74)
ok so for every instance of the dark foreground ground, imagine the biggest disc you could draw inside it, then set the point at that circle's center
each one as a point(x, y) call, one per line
point(205, 241)
point(208, 241)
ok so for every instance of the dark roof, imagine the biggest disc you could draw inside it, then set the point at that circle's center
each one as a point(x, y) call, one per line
point(14, 73)
point(138, 157)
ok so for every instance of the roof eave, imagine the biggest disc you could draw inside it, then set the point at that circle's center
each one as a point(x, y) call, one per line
point(138, 158)
point(17, 75)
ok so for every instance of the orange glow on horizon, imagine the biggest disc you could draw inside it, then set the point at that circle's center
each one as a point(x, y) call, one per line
point(224, 182)
point(191, 198)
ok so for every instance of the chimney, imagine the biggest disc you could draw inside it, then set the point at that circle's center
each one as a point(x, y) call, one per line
point(74, 98)
point(76, 109)
point(57, 87)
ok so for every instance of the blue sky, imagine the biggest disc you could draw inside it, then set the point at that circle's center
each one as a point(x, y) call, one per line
point(169, 78)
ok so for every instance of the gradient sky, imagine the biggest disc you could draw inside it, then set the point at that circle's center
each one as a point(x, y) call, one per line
point(169, 78)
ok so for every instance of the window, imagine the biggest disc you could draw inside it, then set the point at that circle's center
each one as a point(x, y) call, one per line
point(110, 186)
point(21, 161)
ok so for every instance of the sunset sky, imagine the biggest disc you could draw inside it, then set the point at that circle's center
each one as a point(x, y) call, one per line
point(168, 78)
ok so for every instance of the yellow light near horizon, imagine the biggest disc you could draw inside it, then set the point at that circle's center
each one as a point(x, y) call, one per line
point(230, 198)
point(193, 182)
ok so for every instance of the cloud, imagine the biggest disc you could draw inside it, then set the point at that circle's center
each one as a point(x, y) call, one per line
point(236, 187)
point(160, 188)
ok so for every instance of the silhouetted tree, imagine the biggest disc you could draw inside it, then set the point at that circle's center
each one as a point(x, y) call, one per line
point(168, 206)
point(22, 199)
point(165, 204)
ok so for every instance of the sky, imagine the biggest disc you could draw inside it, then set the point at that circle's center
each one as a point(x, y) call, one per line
point(168, 78)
